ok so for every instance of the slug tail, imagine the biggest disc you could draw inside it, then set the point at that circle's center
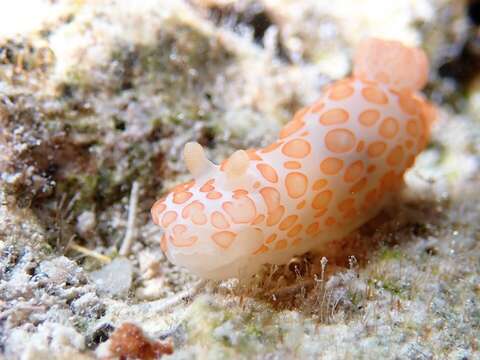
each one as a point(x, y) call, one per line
point(391, 63)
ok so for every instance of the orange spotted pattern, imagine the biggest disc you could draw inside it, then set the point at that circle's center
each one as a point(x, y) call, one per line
point(332, 166)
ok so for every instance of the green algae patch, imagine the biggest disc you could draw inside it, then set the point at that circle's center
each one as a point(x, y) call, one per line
point(388, 254)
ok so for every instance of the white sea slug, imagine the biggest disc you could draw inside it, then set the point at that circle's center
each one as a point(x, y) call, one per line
point(333, 168)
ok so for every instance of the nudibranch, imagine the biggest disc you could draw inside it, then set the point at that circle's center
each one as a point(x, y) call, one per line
point(334, 166)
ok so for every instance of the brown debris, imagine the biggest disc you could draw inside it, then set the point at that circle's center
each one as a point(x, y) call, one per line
point(129, 342)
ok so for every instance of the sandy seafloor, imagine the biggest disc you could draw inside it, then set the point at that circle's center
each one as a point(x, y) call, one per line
point(97, 99)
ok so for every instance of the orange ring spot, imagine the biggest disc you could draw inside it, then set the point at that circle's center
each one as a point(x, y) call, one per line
point(296, 184)
point(288, 222)
point(194, 211)
point(295, 230)
point(157, 210)
point(317, 107)
point(271, 197)
point(213, 195)
point(238, 193)
point(334, 117)
point(268, 172)
point(208, 186)
point(330, 221)
point(271, 239)
point(389, 127)
point(331, 165)
point(271, 147)
point(290, 128)
point(313, 229)
point(262, 249)
point(297, 148)
point(340, 140)
point(369, 117)
point(322, 199)
point(319, 184)
point(320, 213)
point(183, 187)
point(354, 171)
point(360, 146)
point(395, 156)
point(301, 205)
point(224, 238)
point(412, 128)
point(296, 242)
point(374, 95)
point(252, 155)
point(376, 149)
point(219, 221)
point(280, 245)
point(168, 218)
point(275, 216)
point(408, 104)
point(292, 165)
point(179, 240)
point(346, 204)
point(241, 211)
point(258, 219)
point(181, 197)
point(340, 92)
point(365, 81)
point(358, 186)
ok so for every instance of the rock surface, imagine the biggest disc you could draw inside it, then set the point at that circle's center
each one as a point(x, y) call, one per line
point(115, 278)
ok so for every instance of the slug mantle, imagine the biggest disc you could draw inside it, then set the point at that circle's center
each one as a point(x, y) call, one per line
point(334, 166)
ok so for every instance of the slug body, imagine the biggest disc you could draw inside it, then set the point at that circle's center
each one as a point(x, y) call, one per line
point(334, 166)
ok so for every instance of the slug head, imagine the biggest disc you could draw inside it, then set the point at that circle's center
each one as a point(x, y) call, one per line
point(207, 221)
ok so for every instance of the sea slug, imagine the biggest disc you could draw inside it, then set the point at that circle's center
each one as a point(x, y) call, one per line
point(334, 166)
